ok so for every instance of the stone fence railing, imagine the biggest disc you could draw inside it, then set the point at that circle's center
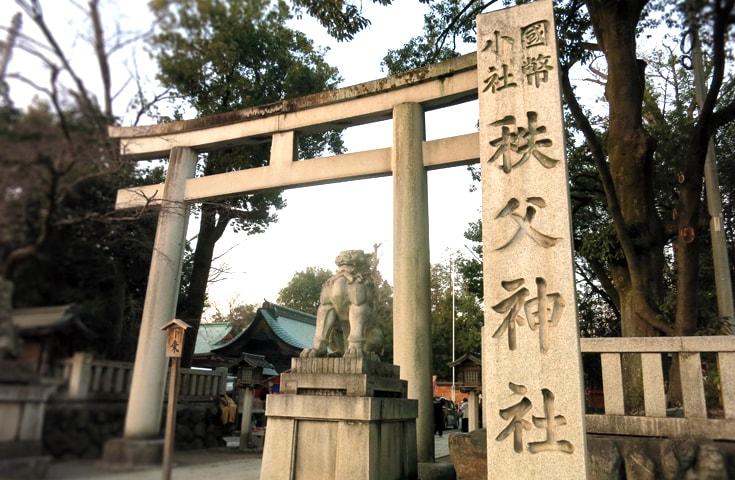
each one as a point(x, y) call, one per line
point(83, 377)
point(658, 420)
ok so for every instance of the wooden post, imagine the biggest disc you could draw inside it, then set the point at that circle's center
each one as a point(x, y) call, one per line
point(168, 441)
point(175, 330)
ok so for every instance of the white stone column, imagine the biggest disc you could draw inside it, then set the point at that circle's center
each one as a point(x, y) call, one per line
point(143, 419)
point(411, 269)
point(246, 402)
point(473, 411)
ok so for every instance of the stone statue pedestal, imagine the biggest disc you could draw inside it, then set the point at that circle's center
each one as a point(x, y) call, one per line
point(22, 405)
point(340, 418)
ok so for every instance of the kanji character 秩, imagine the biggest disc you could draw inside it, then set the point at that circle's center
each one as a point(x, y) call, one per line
point(533, 143)
point(524, 141)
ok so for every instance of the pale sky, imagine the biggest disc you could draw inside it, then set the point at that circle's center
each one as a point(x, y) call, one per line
point(318, 221)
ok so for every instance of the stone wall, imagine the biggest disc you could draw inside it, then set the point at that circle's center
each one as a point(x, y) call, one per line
point(640, 458)
point(80, 429)
point(618, 457)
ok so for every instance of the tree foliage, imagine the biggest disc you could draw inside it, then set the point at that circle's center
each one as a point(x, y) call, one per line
point(303, 290)
point(61, 240)
point(468, 319)
point(636, 165)
point(218, 56)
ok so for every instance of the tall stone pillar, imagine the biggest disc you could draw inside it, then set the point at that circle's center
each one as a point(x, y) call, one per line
point(473, 412)
point(411, 269)
point(143, 419)
point(532, 376)
point(246, 402)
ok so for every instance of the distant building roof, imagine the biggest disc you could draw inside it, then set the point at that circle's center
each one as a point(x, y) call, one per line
point(277, 332)
point(209, 335)
point(259, 361)
point(467, 357)
point(46, 320)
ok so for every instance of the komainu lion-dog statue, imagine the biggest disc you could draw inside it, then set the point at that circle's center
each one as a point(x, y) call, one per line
point(346, 310)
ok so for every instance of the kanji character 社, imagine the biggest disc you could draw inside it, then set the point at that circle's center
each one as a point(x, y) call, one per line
point(515, 414)
point(550, 422)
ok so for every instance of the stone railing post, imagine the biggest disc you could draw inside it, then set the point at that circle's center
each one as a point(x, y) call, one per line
point(411, 269)
point(473, 411)
point(80, 376)
point(222, 380)
point(143, 419)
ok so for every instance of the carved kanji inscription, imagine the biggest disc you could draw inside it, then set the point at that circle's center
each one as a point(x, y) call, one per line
point(523, 223)
point(541, 312)
point(550, 422)
point(516, 145)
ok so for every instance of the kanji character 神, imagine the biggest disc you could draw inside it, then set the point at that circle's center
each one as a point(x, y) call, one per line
point(512, 306)
point(541, 315)
point(542, 312)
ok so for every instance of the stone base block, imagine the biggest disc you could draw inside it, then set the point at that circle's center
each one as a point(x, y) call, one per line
point(353, 377)
point(126, 453)
point(24, 468)
point(311, 437)
point(436, 471)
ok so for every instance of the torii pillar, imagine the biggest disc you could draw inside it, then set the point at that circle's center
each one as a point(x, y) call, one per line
point(411, 269)
point(140, 442)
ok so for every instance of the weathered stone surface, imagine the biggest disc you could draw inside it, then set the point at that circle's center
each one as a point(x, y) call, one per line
point(710, 465)
point(639, 466)
point(334, 437)
point(121, 452)
point(468, 452)
point(604, 461)
point(686, 452)
point(24, 468)
point(143, 419)
point(346, 305)
point(437, 471)
point(349, 384)
point(80, 429)
point(411, 268)
point(531, 361)
point(671, 468)
point(344, 365)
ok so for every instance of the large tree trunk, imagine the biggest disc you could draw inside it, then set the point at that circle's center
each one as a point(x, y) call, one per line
point(8, 336)
point(639, 278)
point(630, 154)
point(211, 228)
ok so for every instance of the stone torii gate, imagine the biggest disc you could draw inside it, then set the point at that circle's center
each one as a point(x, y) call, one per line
point(528, 263)
point(404, 98)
